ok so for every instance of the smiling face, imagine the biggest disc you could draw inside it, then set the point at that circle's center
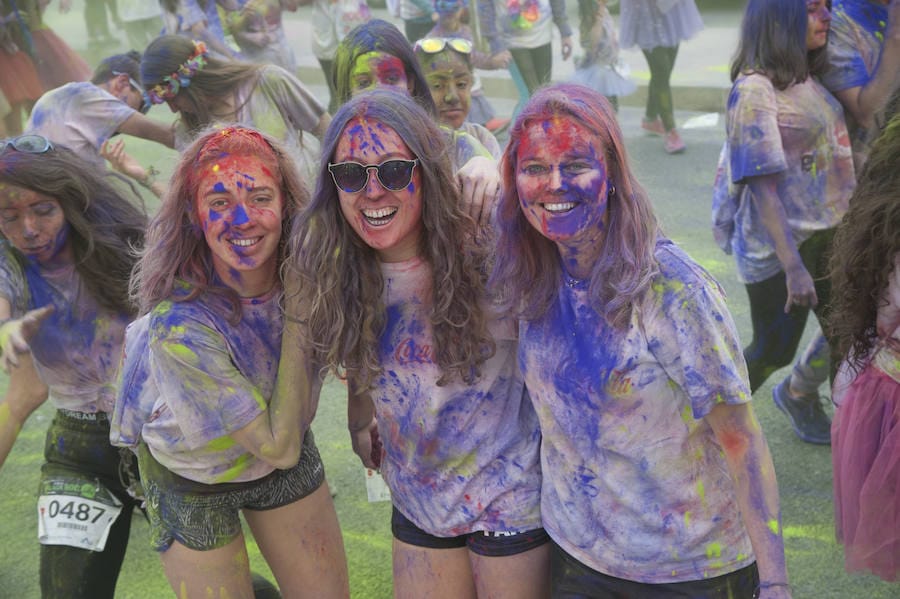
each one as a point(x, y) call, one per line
point(818, 20)
point(561, 180)
point(450, 82)
point(240, 209)
point(378, 70)
point(388, 221)
point(35, 224)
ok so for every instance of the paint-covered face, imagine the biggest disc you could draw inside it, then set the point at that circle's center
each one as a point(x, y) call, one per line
point(378, 70)
point(818, 20)
point(240, 209)
point(450, 82)
point(388, 221)
point(34, 223)
point(561, 180)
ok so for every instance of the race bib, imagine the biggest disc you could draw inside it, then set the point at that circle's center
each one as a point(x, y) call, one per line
point(76, 513)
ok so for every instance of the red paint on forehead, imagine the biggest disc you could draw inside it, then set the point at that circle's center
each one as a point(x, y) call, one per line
point(557, 134)
point(387, 65)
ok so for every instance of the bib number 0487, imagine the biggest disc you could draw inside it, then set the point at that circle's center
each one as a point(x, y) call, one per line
point(75, 521)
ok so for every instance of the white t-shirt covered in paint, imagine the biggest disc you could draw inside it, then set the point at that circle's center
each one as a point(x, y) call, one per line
point(635, 483)
point(458, 458)
point(79, 116)
point(212, 379)
point(77, 348)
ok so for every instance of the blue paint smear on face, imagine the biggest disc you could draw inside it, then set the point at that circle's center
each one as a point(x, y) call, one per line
point(239, 215)
point(219, 187)
point(214, 216)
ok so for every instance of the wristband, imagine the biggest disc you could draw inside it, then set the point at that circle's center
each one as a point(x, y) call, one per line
point(769, 585)
point(150, 179)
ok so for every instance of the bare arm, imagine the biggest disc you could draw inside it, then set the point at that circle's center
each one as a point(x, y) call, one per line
point(322, 126)
point(800, 287)
point(753, 472)
point(25, 393)
point(479, 180)
point(868, 100)
point(363, 426)
point(140, 126)
point(276, 435)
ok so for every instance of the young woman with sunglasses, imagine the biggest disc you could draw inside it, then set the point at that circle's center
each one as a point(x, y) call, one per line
point(65, 260)
point(392, 285)
point(196, 393)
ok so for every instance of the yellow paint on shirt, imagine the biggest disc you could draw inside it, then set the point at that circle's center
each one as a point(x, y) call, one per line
point(701, 491)
point(774, 527)
point(714, 550)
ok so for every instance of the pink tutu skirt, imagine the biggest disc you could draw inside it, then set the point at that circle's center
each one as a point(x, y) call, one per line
point(865, 445)
point(652, 23)
point(57, 64)
point(19, 81)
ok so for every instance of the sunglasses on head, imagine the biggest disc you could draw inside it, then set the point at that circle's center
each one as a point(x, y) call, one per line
point(394, 174)
point(433, 45)
point(29, 144)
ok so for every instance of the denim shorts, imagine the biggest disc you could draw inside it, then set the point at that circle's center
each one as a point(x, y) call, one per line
point(482, 542)
point(570, 579)
point(202, 516)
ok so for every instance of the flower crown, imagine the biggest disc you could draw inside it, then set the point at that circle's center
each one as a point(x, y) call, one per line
point(172, 84)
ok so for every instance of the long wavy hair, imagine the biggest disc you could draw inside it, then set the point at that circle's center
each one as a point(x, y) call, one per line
point(340, 280)
point(527, 270)
point(773, 43)
point(208, 86)
point(105, 225)
point(176, 251)
point(378, 36)
point(865, 245)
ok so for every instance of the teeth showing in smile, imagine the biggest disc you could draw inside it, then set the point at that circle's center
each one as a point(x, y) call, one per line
point(561, 207)
point(245, 242)
point(379, 216)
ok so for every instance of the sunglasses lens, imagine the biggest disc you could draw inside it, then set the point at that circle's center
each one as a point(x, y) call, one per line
point(461, 45)
point(349, 176)
point(431, 44)
point(396, 174)
point(31, 144)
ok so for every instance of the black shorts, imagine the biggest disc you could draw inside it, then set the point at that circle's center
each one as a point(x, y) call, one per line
point(570, 579)
point(482, 542)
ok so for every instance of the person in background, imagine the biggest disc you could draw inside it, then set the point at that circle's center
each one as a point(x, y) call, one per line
point(657, 27)
point(258, 30)
point(865, 317)
point(199, 19)
point(204, 90)
point(788, 151)
point(863, 73)
point(447, 65)
point(83, 116)
point(600, 67)
point(418, 18)
point(332, 20)
point(141, 20)
point(449, 25)
point(657, 479)
point(20, 83)
point(56, 63)
point(525, 29)
point(199, 371)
